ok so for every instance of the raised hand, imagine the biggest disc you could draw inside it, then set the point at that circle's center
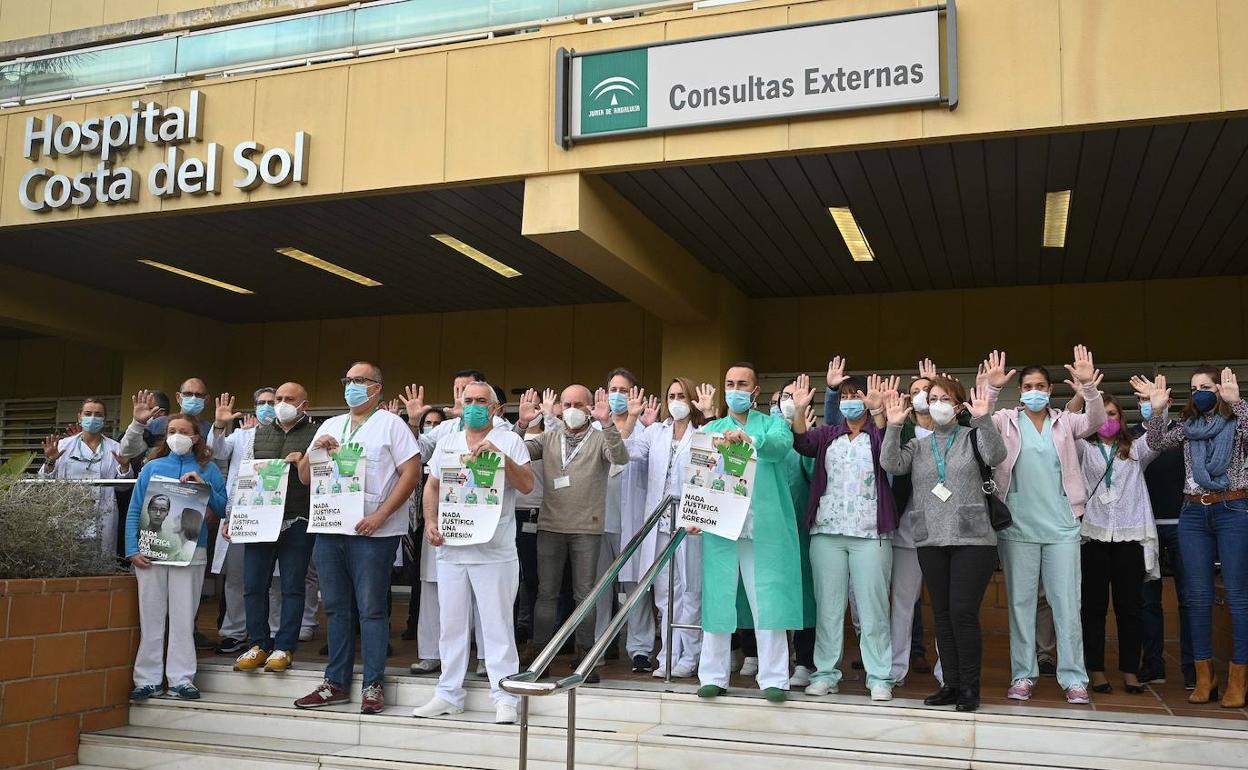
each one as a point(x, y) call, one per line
point(705, 402)
point(994, 370)
point(414, 403)
point(877, 386)
point(809, 416)
point(144, 407)
point(549, 399)
point(394, 406)
point(74, 429)
point(636, 401)
point(927, 370)
point(123, 463)
point(528, 406)
point(803, 394)
point(979, 404)
point(1159, 397)
point(896, 410)
point(457, 407)
point(1083, 370)
point(836, 372)
point(51, 450)
point(250, 421)
point(651, 413)
point(1142, 386)
point(602, 409)
point(225, 413)
point(1228, 388)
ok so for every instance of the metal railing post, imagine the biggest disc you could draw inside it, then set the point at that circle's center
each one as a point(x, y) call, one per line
point(524, 732)
point(671, 599)
point(572, 728)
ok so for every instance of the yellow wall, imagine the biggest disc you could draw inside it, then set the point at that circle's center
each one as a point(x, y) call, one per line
point(46, 366)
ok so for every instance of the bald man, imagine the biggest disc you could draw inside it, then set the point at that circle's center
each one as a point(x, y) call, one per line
point(577, 464)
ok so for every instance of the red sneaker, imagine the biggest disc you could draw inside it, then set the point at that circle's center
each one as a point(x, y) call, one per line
point(374, 700)
point(327, 694)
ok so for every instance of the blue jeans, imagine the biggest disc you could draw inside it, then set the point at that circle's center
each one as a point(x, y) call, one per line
point(1154, 614)
point(291, 552)
point(1208, 533)
point(351, 566)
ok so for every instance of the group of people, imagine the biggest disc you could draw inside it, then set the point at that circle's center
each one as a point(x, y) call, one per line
point(896, 490)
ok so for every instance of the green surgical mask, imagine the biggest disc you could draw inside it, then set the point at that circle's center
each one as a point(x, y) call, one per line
point(476, 416)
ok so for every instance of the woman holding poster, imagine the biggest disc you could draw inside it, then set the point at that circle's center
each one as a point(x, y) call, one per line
point(171, 593)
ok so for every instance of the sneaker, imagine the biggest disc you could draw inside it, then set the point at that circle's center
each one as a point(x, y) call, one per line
point(882, 692)
point(278, 662)
point(229, 646)
point(505, 714)
point(146, 691)
point(1077, 694)
point(821, 687)
point(641, 664)
point(426, 666)
point(326, 694)
point(1020, 689)
point(306, 633)
point(801, 677)
point(204, 643)
point(373, 699)
point(185, 692)
point(1048, 667)
point(252, 659)
point(436, 708)
point(749, 667)
point(711, 691)
point(681, 672)
point(775, 695)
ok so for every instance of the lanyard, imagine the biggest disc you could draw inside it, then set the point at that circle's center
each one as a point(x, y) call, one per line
point(1109, 463)
point(91, 459)
point(347, 439)
point(563, 449)
point(940, 458)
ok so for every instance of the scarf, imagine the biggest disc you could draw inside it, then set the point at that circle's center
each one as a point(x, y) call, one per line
point(1211, 442)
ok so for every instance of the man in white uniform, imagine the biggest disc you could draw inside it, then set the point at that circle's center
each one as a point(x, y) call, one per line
point(488, 573)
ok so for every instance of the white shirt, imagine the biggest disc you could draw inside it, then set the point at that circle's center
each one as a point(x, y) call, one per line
point(502, 547)
point(445, 428)
point(388, 443)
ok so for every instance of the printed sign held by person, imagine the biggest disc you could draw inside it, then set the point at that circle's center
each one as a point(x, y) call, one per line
point(337, 489)
point(259, 501)
point(719, 485)
point(471, 499)
point(172, 516)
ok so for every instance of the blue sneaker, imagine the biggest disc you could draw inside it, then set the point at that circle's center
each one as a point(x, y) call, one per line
point(145, 692)
point(185, 692)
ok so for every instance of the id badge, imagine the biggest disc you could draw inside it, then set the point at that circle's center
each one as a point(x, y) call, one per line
point(941, 491)
point(563, 482)
point(1108, 496)
point(529, 527)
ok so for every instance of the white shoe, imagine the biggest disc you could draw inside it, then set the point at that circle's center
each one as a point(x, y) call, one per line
point(749, 667)
point(735, 660)
point(821, 687)
point(426, 666)
point(481, 668)
point(305, 633)
point(801, 677)
point(436, 708)
point(882, 692)
point(505, 714)
point(659, 673)
point(681, 672)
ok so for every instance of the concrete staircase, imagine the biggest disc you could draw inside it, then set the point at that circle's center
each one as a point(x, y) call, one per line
point(248, 722)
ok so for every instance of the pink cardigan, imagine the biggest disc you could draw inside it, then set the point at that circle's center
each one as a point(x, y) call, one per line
point(1067, 428)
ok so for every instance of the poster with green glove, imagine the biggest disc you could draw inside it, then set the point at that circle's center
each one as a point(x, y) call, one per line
point(259, 501)
point(719, 482)
point(337, 488)
point(470, 498)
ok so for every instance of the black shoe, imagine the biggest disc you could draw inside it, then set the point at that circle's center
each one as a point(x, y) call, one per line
point(942, 697)
point(231, 646)
point(968, 700)
point(1048, 667)
point(1153, 676)
point(204, 643)
point(1134, 689)
point(1105, 687)
point(641, 664)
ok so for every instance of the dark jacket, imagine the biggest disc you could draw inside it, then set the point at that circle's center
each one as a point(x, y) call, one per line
point(273, 443)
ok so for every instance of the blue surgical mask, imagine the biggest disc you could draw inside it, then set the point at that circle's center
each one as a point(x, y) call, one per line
point(1146, 410)
point(266, 413)
point(192, 405)
point(355, 393)
point(476, 416)
point(92, 423)
point(739, 401)
point(775, 411)
point(1035, 400)
point(853, 408)
point(618, 403)
point(1204, 400)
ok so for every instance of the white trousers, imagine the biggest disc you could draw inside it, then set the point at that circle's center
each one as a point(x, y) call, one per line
point(429, 626)
point(494, 587)
point(639, 634)
point(686, 644)
point(168, 594)
point(907, 585)
point(773, 645)
point(234, 623)
point(311, 597)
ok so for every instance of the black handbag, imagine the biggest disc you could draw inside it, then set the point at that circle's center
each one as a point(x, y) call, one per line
point(998, 512)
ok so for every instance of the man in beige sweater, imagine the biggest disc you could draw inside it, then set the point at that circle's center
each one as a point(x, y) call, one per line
point(577, 461)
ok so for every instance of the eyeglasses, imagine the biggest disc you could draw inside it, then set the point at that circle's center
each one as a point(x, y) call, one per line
point(193, 394)
point(358, 381)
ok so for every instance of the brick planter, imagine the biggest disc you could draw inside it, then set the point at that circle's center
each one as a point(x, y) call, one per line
point(66, 650)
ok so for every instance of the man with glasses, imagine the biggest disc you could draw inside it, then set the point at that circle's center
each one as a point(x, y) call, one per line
point(190, 400)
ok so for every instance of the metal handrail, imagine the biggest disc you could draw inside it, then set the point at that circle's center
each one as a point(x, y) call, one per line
point(525, 683)
point(90, 482)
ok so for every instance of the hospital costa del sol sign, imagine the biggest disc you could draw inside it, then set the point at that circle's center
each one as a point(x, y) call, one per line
point(101, 140)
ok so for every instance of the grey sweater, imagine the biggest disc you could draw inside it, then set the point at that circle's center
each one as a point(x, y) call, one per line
point(579, 507)
point(963, 518)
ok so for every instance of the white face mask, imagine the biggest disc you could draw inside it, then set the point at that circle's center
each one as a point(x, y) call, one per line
point(678, 408)
point(286, 412)
point(942, 413)
point(919, 402)
point(787, 408)
point(574, 418)
point(179, 444)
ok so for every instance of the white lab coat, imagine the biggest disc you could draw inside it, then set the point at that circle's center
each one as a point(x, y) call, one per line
point(235, 449)
point(75, 463)
point(654, 446)
point(626, 497)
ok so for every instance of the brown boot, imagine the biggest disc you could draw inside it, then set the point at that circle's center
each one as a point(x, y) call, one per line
point(1236, 684)
point(1206, 683)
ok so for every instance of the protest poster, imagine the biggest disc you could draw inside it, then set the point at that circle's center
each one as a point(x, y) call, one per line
point(259, 497)
point(337, 489)
point(170, 520)
point(470, 499)
point(719, 482)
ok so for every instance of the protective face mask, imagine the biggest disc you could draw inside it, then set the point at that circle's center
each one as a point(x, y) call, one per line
point(179, 444)
point(1146, 410)
point(1035, 400)
point(355, 394)
point(739, 401)
point(575, 418)
point(618, 403)
point(266, 413)
point(776, 411)
point(285, 412)
point(92, 423)
point(192, 405)
point(942, 413)
point(476, 416)
point(678, 408)
point(1109, 428)
point(1204, 400)
point(787, 408)
point(426, 429)
point(853, 408)
point(919, 402)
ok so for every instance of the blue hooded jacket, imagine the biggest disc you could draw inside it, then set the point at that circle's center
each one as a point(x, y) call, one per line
point(174, 467)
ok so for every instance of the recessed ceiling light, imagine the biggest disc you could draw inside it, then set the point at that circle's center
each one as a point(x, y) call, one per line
point(476, 256)
point(1056, 209)
point(197, 277)
point(329, 267)
point(855, 240)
